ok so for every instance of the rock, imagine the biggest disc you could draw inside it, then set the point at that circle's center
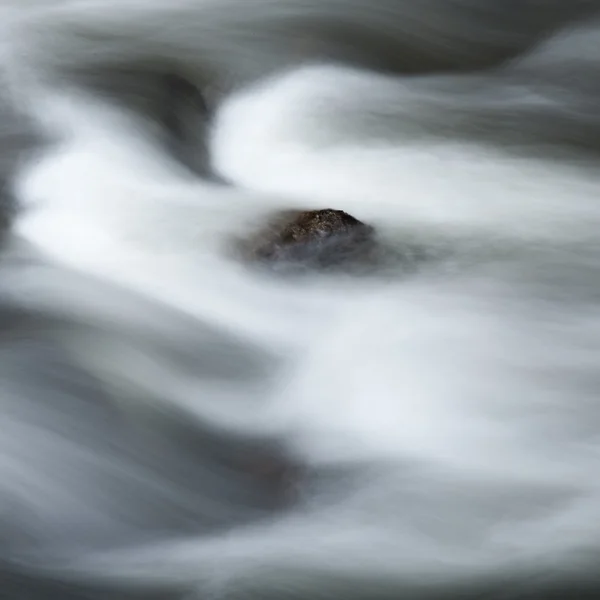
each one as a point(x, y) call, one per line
point(316, 239)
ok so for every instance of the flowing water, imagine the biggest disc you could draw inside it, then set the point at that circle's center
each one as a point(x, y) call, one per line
point(179, 424)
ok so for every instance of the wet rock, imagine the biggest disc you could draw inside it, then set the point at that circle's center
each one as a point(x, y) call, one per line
point(316, 239)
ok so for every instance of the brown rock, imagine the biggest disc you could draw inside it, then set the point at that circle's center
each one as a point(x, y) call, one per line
point(320, 239)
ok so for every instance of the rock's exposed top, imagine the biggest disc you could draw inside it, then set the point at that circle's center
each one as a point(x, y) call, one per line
point(320, 239)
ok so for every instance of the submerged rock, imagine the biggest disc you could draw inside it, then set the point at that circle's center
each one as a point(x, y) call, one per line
point(316, 239)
